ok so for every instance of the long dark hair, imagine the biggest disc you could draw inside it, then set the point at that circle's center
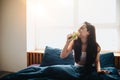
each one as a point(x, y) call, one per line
point(92, 47)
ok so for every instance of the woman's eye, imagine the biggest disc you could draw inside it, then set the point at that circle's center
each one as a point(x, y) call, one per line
point(82, 28)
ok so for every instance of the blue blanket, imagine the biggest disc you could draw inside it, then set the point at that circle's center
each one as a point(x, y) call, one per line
point(61, 72)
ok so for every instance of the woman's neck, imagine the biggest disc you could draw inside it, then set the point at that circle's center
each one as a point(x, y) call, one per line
point(84, 46)
point(84, 41)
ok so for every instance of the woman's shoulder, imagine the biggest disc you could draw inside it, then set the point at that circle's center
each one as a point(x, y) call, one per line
point(98, 48)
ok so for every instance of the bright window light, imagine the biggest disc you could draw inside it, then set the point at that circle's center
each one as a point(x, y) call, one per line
point(49, 22)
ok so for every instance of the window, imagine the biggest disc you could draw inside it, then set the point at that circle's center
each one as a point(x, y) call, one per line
point(49, 21)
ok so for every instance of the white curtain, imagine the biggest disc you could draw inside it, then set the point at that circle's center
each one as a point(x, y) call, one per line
point(49, 21)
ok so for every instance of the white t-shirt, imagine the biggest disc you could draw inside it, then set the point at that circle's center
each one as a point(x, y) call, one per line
point(82, 59)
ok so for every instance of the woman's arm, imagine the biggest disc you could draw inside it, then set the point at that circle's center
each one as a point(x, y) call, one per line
point(68, 47)
point(98, 64)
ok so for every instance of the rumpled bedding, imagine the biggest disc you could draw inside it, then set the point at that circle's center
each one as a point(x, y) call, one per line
point(61, 72)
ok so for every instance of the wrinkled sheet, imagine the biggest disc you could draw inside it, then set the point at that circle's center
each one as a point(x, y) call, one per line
point(61, 72)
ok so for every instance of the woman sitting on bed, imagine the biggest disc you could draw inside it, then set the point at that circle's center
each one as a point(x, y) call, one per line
point(85, 47)
point(86, 57)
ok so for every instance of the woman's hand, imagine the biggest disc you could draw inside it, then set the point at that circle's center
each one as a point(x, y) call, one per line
point(69, 38)
point(72, 36)
point(104, 71)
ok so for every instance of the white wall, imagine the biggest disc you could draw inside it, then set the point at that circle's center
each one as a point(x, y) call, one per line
point(118, 18)
point(13, 47)
point(0, 34)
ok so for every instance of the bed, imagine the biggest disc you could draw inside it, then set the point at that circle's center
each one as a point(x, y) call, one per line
point(52, 67)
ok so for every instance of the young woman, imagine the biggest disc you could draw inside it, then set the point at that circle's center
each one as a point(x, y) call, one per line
point(85, 47)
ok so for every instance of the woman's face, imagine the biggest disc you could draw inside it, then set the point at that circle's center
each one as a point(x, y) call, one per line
point(83, 31)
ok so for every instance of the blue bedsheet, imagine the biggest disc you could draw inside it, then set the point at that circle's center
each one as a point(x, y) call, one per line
point(60, 72)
